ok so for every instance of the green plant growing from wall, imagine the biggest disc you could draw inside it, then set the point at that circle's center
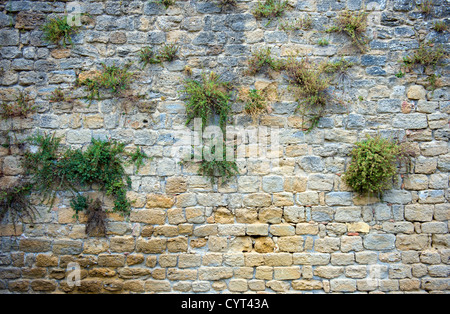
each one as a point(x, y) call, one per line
point(113, 78)
point(323, 42)
point(212, 167)
point(15, 201)
point(374, 165)
point(337, 69)
point(354, 24)
point(79, 204)
point(166, 3)
point(254, 102)
point(310, 88)
point(206, 98)
point(270, 9)
point(440, 26)
point(22, 106)
point(302, 23)
point(148, 56)
point(427, 55)
point(138, 157)
point(262, 58)
point(339, 66)
point(52, 169)
point(58, 95)
point(167, 52)
point(400, 74)
point(425, 6)
point(58, 31)
point(227, 3)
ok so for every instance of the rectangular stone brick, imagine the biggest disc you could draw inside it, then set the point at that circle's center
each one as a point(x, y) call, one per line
point(286, 273)
point(111, 260)
point(419, 212)
point(343, 285)
point(157, 285)
point(307, 284)
point(35, 245)
point(155, 245)
point(67, 247)
point(149, 216)
point(278, 259)
point(215, 273)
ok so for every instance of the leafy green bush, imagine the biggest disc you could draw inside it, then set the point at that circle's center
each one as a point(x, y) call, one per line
point(207, 97)
point(58, 31)
point(373, 165)
point(51, 169)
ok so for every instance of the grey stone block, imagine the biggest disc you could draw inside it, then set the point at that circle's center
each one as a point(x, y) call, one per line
point(379, 242)
point(9, 37)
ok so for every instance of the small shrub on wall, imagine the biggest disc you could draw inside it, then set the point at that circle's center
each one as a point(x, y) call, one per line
point(374, 165)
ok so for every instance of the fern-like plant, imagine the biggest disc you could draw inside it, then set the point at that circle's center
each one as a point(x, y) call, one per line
point(212, 167)
point(53, 169)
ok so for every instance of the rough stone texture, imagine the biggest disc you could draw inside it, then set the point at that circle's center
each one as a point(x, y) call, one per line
point(287, 223)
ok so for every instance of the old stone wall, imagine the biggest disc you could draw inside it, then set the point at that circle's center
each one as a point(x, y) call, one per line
point(286, 223)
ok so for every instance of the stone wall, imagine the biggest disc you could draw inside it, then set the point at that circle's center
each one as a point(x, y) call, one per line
point(287, 223)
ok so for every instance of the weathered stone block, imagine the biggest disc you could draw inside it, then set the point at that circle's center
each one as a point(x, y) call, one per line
point(155, 245)
point(418, 212)
point(9, 37)
point(379, 242)
point(410, 121)
point(411, 242)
